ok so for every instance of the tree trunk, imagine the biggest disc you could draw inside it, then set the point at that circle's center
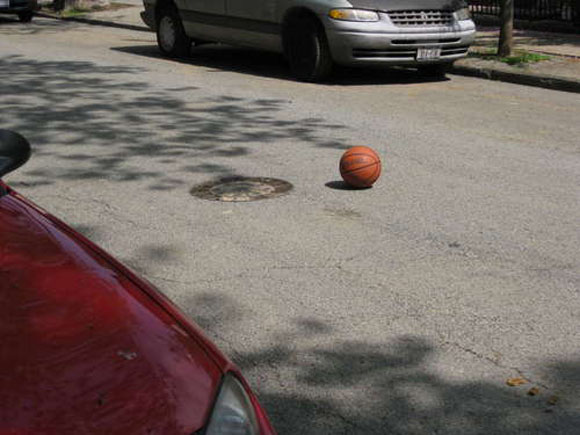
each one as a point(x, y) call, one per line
point(506, 42)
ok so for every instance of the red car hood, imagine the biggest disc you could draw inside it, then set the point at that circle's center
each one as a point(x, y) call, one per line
point(86, 348)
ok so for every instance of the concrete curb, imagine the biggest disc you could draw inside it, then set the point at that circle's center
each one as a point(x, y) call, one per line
point(96, 22)
point(547, 82)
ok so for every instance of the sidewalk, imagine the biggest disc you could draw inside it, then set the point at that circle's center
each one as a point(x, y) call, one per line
point(561, 71)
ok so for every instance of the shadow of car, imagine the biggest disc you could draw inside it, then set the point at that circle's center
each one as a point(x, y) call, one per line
point(221, 57)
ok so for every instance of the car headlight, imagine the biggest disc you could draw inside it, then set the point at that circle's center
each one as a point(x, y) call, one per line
point(462, 14)
point(233, 413)
point(353, 15)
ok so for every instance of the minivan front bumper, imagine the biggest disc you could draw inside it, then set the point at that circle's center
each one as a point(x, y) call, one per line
point(353, 43)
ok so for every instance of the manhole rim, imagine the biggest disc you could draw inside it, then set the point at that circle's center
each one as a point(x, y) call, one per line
point(204, 190)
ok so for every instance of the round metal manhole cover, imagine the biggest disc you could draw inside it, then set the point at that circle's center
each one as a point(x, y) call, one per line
point(241, 189)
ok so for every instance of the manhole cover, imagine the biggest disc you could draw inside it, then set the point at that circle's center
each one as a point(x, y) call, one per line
point(241, 189)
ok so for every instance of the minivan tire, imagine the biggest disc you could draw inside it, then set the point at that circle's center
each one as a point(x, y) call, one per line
point(306, 49)
point(25, 17)
point(171, 37)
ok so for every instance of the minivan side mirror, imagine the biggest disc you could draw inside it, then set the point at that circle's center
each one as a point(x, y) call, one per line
point(14, 151)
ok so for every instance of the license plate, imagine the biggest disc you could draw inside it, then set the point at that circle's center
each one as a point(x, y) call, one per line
point(428, 53)
point(4, 3)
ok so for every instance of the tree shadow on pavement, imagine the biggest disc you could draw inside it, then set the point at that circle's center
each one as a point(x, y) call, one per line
point(312, 383)
point(101, 122)
point(221, 58)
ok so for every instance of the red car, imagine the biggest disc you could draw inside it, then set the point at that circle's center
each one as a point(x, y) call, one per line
point(87, 347)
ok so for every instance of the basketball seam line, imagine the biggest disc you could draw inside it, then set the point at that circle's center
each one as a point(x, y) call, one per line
point(377, 172)
point(362, 167)
point(362, 154)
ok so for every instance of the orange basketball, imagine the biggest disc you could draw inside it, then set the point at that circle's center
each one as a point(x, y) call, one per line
point(360, 166)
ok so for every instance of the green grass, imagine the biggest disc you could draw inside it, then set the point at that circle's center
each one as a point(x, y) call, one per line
point(74, 12)
point(519, 58)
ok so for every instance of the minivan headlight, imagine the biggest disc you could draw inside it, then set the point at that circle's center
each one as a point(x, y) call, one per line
point(462, 14)
point(233, 413)
point(353, 15)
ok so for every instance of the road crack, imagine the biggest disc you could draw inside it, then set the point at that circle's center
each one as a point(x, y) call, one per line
point(494, 362)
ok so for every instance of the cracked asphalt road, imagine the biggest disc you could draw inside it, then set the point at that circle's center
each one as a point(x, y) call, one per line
point(400, 309)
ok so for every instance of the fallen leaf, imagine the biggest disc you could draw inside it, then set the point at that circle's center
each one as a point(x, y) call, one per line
point(553, 400)
point(514, 382)
point(534, 391)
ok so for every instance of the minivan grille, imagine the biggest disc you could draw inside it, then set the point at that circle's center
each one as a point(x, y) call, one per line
point(421, 18)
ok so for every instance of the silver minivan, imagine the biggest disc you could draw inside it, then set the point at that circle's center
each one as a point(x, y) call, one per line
point(315, 34)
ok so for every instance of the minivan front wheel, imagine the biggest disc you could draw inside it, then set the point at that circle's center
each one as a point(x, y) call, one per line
point(171, 37)
point(306, 48)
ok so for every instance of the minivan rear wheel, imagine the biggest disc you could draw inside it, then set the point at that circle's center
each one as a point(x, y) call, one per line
point(171, 37)
point(307, 51)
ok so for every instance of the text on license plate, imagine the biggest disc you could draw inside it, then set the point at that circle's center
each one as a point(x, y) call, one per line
point(425, 53)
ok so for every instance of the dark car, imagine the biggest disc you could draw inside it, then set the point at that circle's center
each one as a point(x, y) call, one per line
point(23, 8)
point(88, 347)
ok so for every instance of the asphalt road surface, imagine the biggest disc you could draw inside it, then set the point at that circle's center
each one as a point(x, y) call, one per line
point(399, 309)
